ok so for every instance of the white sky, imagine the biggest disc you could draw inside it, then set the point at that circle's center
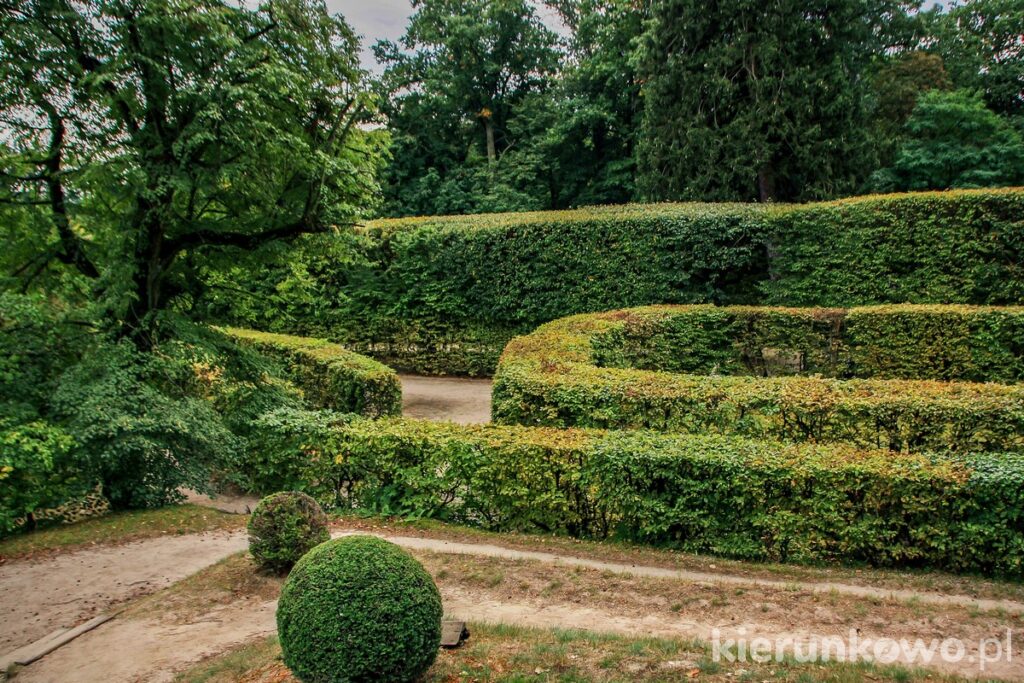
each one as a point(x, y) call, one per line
point(377, 20)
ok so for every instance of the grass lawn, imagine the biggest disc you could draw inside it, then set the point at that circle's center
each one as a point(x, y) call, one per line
point(517, 654)
point(120, 527)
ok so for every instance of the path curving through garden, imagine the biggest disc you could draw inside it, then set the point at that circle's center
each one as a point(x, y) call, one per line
point(39, 595)
point(454, 399)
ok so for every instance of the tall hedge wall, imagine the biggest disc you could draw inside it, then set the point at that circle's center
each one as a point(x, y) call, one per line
point(756, 500)
point(554, 377)
point(444, 294)
point(330, 376)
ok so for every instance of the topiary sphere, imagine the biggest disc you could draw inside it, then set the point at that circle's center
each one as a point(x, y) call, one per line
point(359, 609)
point(283, 528)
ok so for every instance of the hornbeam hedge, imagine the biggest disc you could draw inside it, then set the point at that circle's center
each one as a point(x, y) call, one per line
point(328, 375)
point(725, 495)
point(559, 376)
point(445, 294)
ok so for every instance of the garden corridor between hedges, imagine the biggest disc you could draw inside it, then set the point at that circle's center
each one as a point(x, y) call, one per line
point(69, 588)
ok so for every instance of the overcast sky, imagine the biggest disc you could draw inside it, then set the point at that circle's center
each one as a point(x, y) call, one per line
point(377, 20)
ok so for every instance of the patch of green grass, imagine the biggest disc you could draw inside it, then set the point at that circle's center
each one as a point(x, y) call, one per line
point(120, 527)
point(232, 665)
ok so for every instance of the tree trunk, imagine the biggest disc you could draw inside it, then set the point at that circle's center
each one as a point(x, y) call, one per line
point(492, 154)
point(766, 183)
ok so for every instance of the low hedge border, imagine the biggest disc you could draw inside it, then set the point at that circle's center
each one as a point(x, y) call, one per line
point(329, 375)
point(552, 377)
point(723, 495)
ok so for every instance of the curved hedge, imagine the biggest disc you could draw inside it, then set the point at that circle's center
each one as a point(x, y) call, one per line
point(554, 376)
point(329, 375)
point(724, 495)
point(445, 294)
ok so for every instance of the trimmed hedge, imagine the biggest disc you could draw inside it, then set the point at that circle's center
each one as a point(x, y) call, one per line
point(284, 527)
point(552, 377)
point(962, 246)
point(329, 375)
point(972, 343)
point(359, 610)
point(724, 495)
point(445, 294)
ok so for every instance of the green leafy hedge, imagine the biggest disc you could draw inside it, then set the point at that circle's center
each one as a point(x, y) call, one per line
point(445, 294)
point(725, 495)
point(972, 343)
point(553, 377)
point(329, 375)
point(927, 247)
point(359, 610)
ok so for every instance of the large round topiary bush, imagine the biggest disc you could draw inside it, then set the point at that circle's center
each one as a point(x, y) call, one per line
point(283, 528)
point(359, 609)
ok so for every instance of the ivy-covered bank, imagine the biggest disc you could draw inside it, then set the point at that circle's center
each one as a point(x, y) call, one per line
point(624, 369)
point(445, 294)
point(724, 495)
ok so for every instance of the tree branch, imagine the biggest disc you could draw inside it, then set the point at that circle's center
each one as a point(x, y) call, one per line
point(249, 241)
point(73, 252)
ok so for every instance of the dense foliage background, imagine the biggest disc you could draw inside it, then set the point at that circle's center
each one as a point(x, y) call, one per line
point(487, 110)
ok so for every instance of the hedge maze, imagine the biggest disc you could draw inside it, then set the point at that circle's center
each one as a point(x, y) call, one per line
point(889, 434)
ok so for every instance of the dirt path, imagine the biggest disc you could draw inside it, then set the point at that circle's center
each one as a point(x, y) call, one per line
point(214, 615)
point(455, 399)
point(496, 551)
point(39, 596)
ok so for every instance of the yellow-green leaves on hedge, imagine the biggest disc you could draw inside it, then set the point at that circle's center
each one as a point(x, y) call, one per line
point(329, 375)
point(559, 375)
point(758, 500)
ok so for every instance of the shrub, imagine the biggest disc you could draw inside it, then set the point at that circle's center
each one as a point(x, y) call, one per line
point(551, 378)
point(330, 376)
point(359, 609)
point(445, 294)
point(34, 472)
point(284, 527)
point(724, 495)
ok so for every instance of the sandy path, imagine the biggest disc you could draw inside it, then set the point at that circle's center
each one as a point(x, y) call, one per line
point(455, 399)
point(151, 650)
point(160, 648)
point(40, 596)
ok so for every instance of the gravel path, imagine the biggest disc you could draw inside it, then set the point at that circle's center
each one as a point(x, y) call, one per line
point(455, 399)
point(39, 596)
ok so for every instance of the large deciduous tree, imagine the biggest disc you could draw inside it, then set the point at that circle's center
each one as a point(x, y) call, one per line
point(747, 99)
point(453, 85)
point(142, 134)
point(982, 44)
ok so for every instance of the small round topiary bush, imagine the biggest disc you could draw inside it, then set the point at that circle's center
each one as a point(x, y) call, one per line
point(359, 609)
point(283, 528)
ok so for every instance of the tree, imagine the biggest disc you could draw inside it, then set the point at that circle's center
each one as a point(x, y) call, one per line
point(582, 133)
point(751, 100)
point(148, 133)
point(953, 140)
point(145, 142)
point(982, 44)
point(896, 84)
point(453, 85)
